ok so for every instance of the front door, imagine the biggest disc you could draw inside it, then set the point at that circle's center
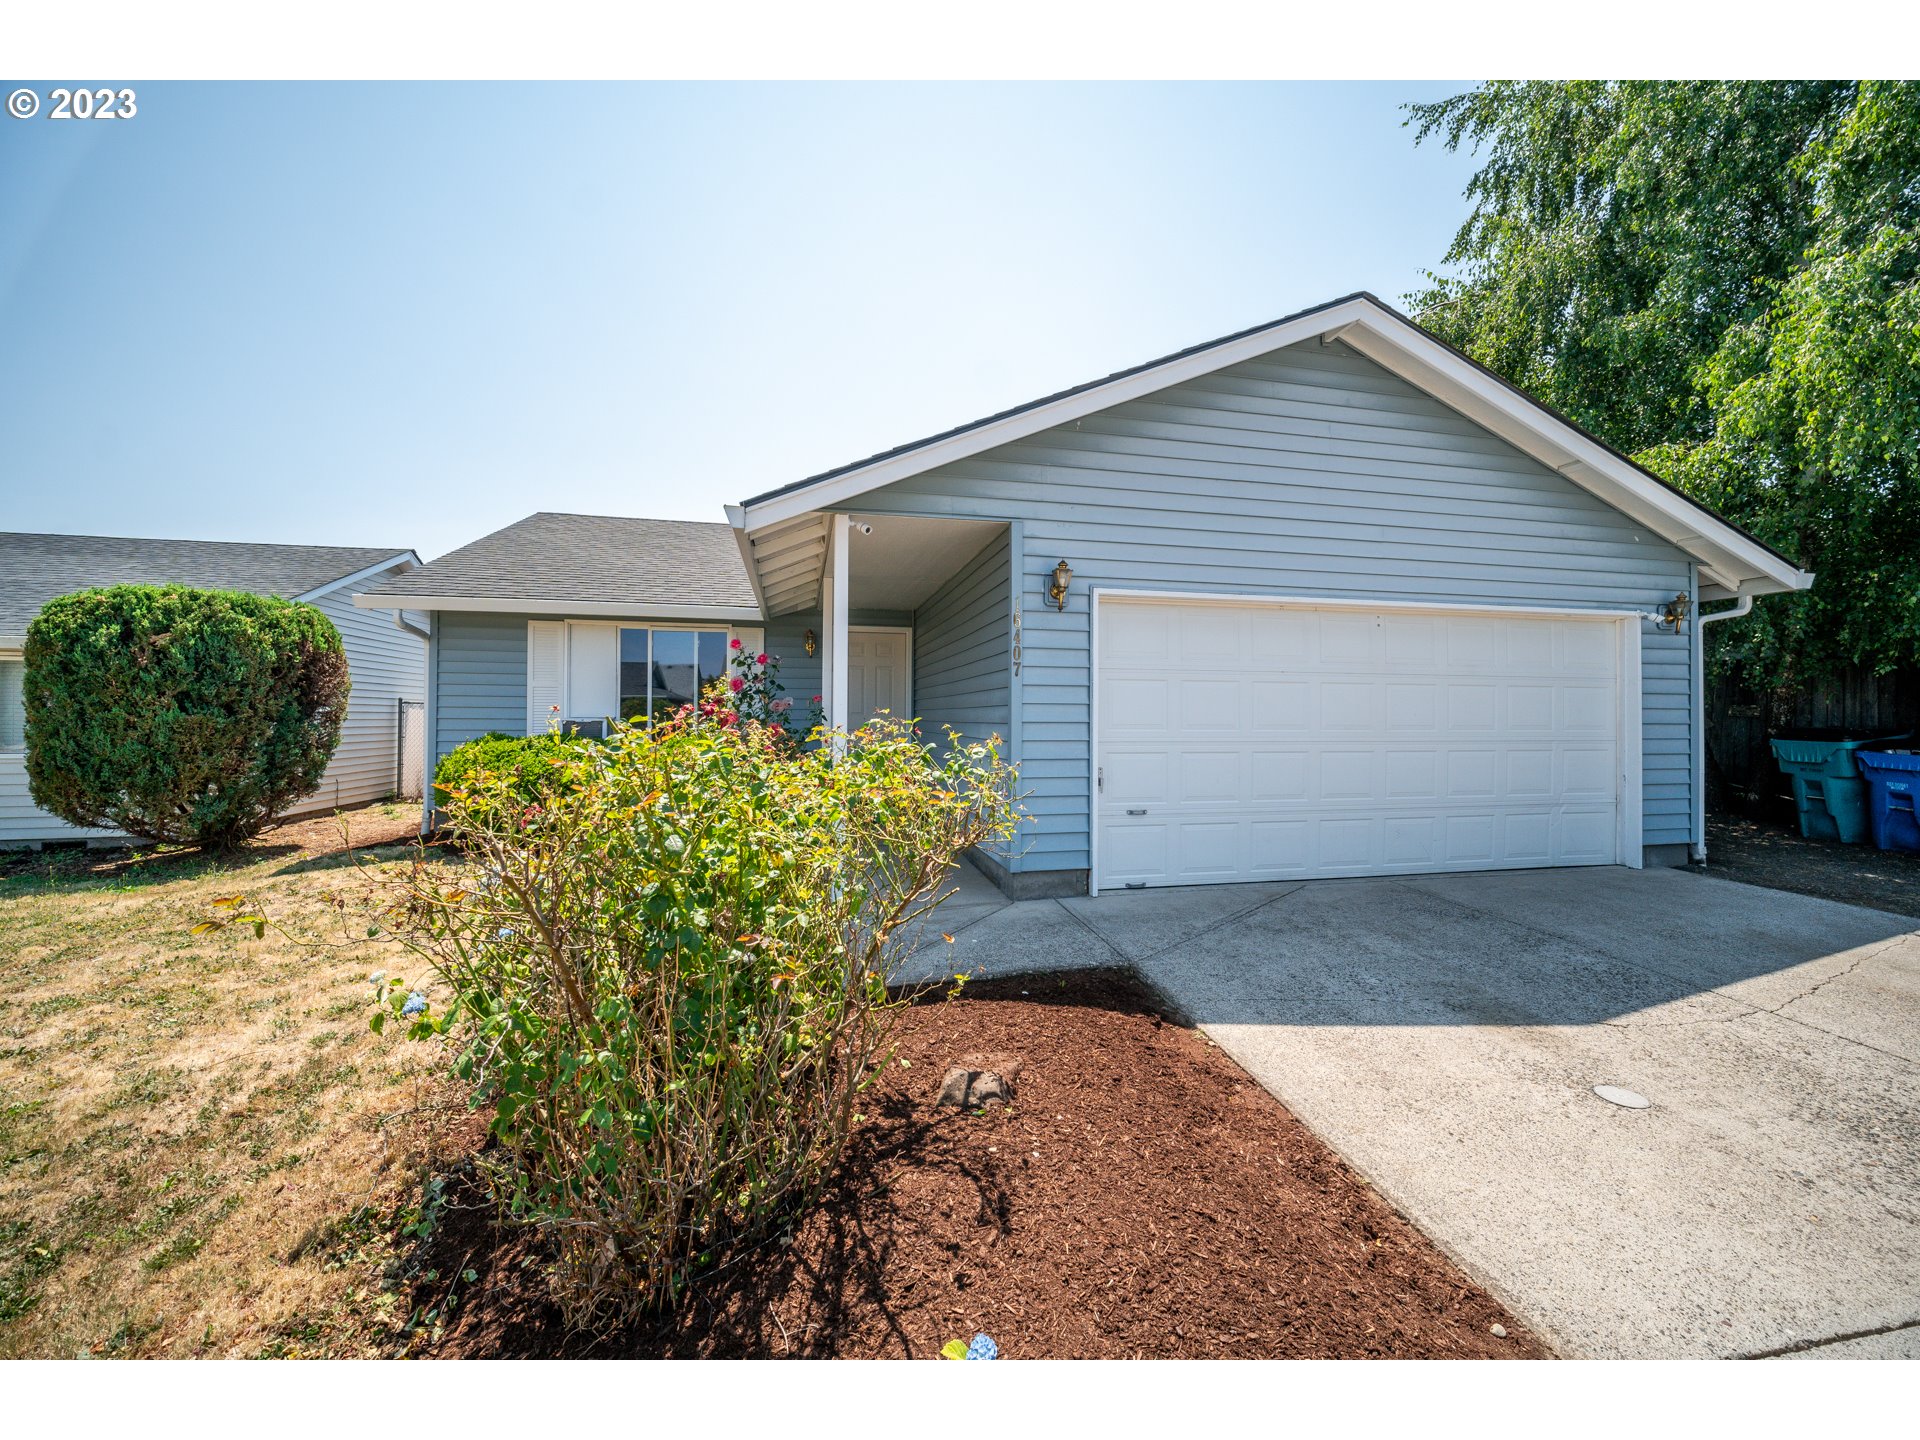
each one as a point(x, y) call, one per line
point(879, 668)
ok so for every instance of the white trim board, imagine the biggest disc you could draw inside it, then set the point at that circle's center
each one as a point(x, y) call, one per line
point(1389, 339)
point(1630, 829)
point(403, 560)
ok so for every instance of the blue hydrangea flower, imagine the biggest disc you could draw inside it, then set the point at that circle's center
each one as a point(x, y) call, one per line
point(983, 1349)
point(416, 1002)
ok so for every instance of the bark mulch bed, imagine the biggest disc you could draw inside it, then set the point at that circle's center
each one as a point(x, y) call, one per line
point(1141, 1198)
point(1773, 854)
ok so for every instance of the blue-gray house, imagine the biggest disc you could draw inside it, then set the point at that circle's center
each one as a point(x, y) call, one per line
point(1323, 598)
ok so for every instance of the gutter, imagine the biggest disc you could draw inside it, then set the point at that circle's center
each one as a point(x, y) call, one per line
point(1743, 606)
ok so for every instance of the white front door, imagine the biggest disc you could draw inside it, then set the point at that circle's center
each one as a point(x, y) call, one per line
point(879, 665)
point(1260, 742)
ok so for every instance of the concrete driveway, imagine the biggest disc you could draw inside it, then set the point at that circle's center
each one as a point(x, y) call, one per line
point(1445, 1034)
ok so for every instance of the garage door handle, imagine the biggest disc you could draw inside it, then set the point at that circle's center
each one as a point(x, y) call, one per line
point(1136, 812)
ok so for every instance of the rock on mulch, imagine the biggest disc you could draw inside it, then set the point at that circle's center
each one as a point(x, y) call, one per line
point(1141, 1197)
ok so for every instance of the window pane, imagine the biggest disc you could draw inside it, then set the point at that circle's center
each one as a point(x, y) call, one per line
point(13, 715)
point(713, 656)
point(633, 674)
point(674, 670)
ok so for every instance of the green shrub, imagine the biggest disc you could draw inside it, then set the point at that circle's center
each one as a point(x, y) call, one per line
point(523, 768)
point(180, 715)
point(672, 982)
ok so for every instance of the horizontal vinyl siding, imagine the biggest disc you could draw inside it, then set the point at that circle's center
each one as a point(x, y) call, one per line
point(962, 662)
point(1314, 472)
point(481, 680)
point(21, 819)
point(388, 666)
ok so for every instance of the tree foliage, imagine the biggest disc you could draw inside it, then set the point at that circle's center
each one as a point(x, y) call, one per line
point(180, 715)
point(1719, 279)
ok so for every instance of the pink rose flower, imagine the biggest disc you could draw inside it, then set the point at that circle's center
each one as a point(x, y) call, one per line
point(735, 643)
point(737, 684)
point(760, 659)
point(816, 699)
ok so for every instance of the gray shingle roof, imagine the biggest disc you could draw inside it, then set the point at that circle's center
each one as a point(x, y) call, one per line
point(592, 559)
point(36, 568)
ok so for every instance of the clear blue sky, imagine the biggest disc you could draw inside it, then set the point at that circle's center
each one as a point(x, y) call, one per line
point(407, 315)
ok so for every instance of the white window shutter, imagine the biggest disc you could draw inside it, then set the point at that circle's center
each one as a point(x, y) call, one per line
point(751, 637)
point(546, 674)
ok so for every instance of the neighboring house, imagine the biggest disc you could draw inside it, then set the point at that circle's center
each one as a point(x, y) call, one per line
point(386, 653)
point(1342, 602)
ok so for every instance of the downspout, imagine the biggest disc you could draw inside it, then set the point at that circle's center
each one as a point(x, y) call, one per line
point(401, 622)
point(1744, 606)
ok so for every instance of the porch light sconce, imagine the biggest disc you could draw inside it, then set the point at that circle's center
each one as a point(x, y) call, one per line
point(811, 641)
point(1673, 614)
point(1057, 591)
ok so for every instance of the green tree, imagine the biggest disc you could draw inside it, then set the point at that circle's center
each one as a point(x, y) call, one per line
point(182, 715)
point(1720, 280)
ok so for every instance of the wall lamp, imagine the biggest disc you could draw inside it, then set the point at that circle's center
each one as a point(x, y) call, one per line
point(1673, 614)
point(811, 641)
point(1057, 591)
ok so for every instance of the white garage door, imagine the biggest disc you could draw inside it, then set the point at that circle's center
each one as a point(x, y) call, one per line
point(1259, 742)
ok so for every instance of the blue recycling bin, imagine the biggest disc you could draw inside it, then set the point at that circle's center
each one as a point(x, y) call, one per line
point(1893, 777)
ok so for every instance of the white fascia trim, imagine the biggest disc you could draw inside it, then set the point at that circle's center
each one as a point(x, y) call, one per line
point(1388, 340)
point(575, 609)
point(1321, 602)
point(737, 518)
point(404, 561)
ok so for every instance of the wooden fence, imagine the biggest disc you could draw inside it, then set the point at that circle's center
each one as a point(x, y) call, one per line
point(1741, 773)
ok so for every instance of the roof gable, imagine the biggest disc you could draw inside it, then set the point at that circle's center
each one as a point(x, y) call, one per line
point(1731, 560)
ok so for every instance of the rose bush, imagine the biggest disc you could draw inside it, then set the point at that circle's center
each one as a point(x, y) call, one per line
point(672, 987)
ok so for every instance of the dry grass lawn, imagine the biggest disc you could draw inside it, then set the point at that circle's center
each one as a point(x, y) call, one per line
point(203, 1148)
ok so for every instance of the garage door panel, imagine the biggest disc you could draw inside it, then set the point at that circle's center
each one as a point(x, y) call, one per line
point(1586, 836)
point(1136, 777)
point(1586, 774)
point(1411, 840)
point(1411, 642)
point(1137, 705)
point(1210, 706)
point(1210, 850)
point(1410, 743)
point(1347, 642)
point(1410, 706)
point(1346, 705)
point(1412, 775)
point(1278, 775)
point(1280, 704)
point(1210, 777)
point(1346, 775)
